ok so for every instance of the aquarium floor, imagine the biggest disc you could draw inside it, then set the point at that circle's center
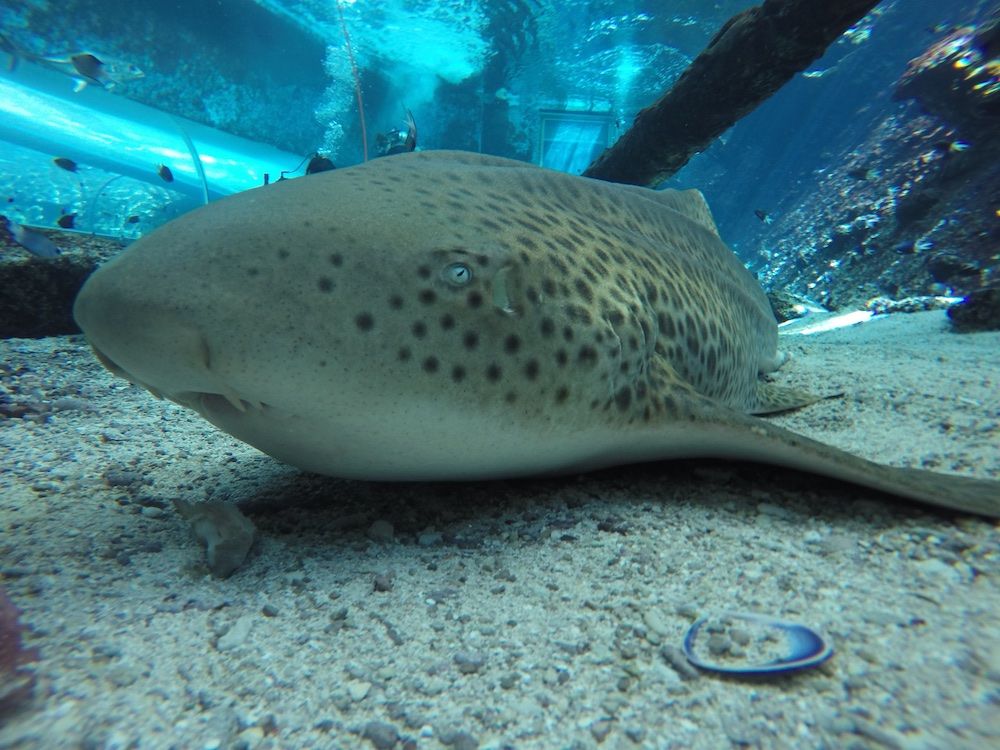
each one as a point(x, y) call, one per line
point(523, 614)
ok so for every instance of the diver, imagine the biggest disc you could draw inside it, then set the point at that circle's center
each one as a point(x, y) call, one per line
point(396, 141)
point(318, 162)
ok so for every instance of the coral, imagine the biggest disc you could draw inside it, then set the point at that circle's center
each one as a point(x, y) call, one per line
point(16, 683)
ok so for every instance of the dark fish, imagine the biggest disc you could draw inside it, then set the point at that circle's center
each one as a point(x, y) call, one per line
point(319, 164)
point(87, 68)
point(34, 242)
point(165, 174)
point(88, 65)
point(133, 219)
point(63, 163)
point(912, 247)
point(66, 221)
point(947, 148)
point(763, 216)
point(105, 73)
point(84, 67)
point(860, 173)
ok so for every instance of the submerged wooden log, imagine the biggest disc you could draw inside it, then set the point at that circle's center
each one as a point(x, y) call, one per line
point(750, 58)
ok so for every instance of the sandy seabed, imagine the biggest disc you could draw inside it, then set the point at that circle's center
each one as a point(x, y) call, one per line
point(522, 614)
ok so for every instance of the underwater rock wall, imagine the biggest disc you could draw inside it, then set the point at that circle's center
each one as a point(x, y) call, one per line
point(905, 215)
point(913, 209)
point(230, 65)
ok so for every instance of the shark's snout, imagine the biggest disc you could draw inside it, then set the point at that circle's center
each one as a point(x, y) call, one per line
point(149, 343)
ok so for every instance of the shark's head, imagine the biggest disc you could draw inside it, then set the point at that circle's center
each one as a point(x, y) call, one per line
point(390, 314)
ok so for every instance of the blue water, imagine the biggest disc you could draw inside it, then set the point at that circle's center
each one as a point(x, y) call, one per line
point(483, 76)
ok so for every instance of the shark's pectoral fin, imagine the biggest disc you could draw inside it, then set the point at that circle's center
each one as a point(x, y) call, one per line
point(771, 398)
point(734, 435)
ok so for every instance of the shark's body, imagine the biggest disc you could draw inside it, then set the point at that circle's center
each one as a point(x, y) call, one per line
point(445, 315)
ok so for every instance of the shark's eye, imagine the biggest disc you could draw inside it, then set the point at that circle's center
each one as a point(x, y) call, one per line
point(457, 274)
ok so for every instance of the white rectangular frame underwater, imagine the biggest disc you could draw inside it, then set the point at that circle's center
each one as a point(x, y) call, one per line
point(569, 141)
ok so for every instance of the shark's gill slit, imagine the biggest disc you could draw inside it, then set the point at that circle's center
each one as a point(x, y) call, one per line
point(205, 352)
point(501, 296)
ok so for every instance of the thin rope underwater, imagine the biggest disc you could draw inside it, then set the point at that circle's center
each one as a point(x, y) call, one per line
point(357, 82)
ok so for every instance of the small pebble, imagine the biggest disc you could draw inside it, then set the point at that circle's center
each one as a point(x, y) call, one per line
point(236, 636)
point(381, 734)
point(775, 511)
point(69, 403)
point(718, 644)
point(636, 733)
point(381, 531)
point(250, 738)
point(460, 741)
point(740, 636)
point(430, 538)
point(687, 609)
point(655, 621)
point(122, 478)
point(469, 663)
point(600, 729)
point(358, 690)
point(673, 656)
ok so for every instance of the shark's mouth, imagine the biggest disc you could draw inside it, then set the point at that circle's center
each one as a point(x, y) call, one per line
point(225, 402)
point(220, 405)
point(109, 364)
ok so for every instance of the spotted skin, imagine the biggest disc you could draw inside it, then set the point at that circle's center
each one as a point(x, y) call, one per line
point(446, 315)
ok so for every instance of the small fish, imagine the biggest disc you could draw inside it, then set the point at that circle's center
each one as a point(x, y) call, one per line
point(63, 163)
point(133, 219)
point(164, 172)
point(34, 242)
point(87, 68)
point(863, 173)
point(67, 221)
point(947, 148)
point(763, 216)
point(912, 247)
point(83, 67)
